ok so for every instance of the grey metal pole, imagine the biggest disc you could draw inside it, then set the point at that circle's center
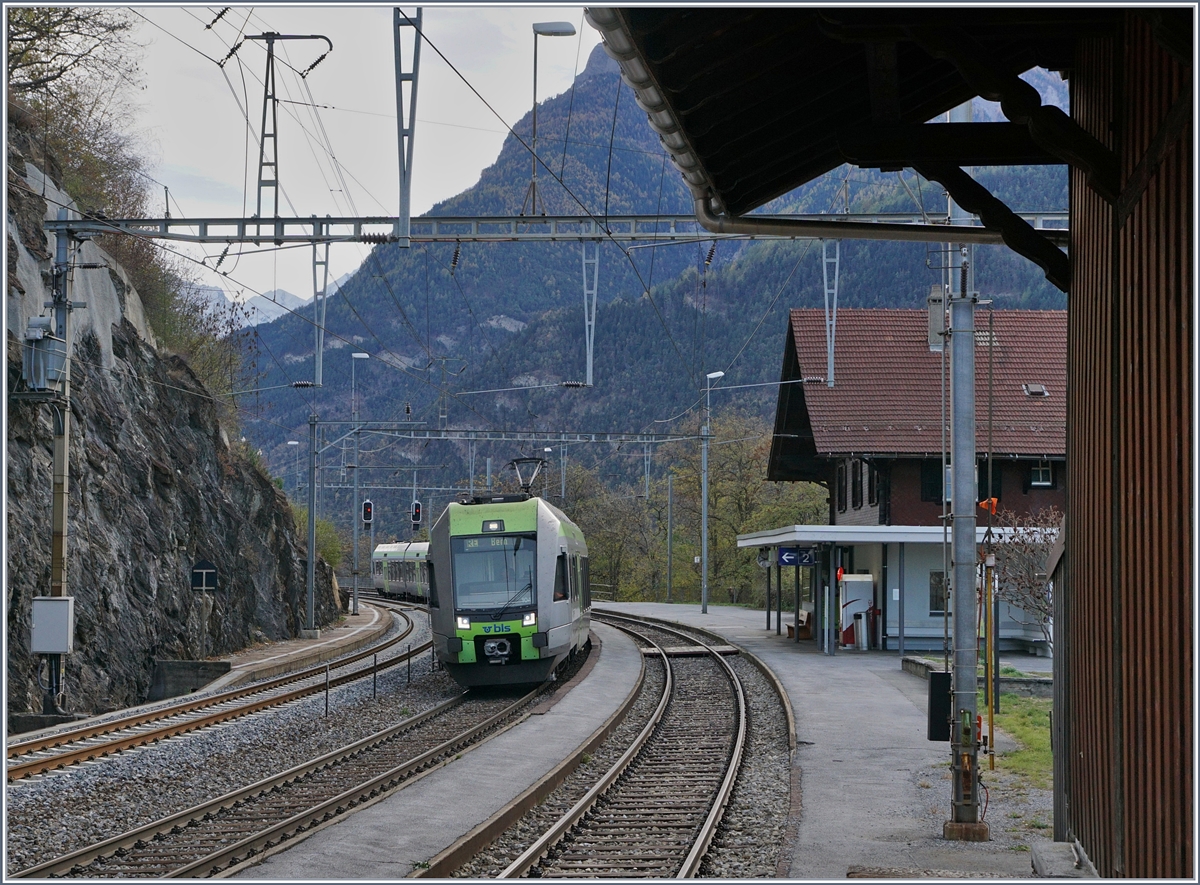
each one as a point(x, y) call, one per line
point(778, 596)
point(61, 472)
point(963, 495)
point(62, 416)
point(825, 620)
point(321, 470)
point(796, 612)
point(900, 607)
point(704, 431)
point(562, 472)
point(533, 182)
point(406, 126)
point(670, 529)
point(768, 605)
point(835, 600)
point(311, 580)
point(320, 285)
point(355, 516)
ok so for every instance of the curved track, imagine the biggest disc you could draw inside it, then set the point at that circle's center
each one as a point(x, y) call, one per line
point(656, 810)
point(69, 747)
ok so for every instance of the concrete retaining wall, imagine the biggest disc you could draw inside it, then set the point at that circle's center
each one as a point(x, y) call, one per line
point(175, 678)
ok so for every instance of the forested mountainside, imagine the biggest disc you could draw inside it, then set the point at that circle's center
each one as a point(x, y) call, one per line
point(487, 317)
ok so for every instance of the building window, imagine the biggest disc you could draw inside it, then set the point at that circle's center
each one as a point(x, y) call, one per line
point(856, 484)
point(883, 488)
point(937, 593)
point(841, 487)
point(982, 484)
point(1041, 475)
point(931, 481)
point(872, 485)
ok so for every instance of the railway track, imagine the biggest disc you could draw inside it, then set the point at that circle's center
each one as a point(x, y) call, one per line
point(654, 812)
point(72, 746)
point(242, 824)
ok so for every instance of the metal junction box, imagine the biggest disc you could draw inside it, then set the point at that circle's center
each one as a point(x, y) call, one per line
point(53, 625)
point(44, 357)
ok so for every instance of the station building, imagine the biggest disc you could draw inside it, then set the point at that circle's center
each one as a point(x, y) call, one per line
point(754, 102)
point(871, 433)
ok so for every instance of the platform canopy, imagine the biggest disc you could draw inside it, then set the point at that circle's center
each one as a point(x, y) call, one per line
point(753, 102)
point(845, 535)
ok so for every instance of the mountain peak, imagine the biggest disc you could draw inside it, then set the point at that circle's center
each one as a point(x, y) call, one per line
point(599, 63)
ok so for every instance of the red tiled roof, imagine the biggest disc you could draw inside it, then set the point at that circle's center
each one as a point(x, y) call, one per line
point(887, 383)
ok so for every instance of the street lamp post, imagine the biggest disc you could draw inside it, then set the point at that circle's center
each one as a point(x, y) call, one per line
point(309, 630)
point(356, 515)
point(705, 433)
point(541, 29)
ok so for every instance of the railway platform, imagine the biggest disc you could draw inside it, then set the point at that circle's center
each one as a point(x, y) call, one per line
point(401, 832)
point(260, 662)
point(274, 658)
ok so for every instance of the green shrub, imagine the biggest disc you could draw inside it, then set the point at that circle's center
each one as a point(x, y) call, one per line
point(329, 542)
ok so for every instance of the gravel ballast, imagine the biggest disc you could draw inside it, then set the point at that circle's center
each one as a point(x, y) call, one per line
point(57, 813)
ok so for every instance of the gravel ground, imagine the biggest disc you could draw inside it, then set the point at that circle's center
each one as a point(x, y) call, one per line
point(750, 837)
point(1016, 812)
point(54, 814)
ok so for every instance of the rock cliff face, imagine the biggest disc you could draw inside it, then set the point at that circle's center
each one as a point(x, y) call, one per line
point(155, 486)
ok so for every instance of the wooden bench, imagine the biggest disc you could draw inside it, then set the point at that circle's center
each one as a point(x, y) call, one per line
point(805, 626)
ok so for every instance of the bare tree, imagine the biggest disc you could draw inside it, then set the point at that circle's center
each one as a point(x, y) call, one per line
point(1022, 549)
point(52, 44)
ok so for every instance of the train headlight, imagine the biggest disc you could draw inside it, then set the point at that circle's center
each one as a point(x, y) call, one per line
point(529, 620)
point(463, 623)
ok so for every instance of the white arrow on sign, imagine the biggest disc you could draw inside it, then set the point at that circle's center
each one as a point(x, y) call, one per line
point(787, 557)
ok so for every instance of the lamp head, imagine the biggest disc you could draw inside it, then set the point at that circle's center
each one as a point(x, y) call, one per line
point(713, 376)
point(360, 356)
point(554, 29)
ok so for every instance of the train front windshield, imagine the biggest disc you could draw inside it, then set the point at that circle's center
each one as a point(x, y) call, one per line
point(494, 572)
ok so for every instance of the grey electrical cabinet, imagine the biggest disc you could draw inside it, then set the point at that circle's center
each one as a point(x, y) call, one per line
point(941, 707)
point(53, 625)
point(44, 357)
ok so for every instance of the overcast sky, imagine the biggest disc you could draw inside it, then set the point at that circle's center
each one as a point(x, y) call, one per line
point(193, 112)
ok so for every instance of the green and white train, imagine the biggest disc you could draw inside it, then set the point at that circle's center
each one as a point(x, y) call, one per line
point(509, 599)
point(399, 571)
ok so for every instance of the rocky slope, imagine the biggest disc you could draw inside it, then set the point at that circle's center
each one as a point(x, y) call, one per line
point(155, 485)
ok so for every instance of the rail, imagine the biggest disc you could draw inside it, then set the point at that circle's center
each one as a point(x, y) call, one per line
point(216, 835)
point(126, 732)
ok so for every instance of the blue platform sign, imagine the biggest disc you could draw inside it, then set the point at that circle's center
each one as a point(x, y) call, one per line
point(793, 556)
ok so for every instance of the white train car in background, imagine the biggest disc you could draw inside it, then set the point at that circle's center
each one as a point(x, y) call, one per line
point(400, 571)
